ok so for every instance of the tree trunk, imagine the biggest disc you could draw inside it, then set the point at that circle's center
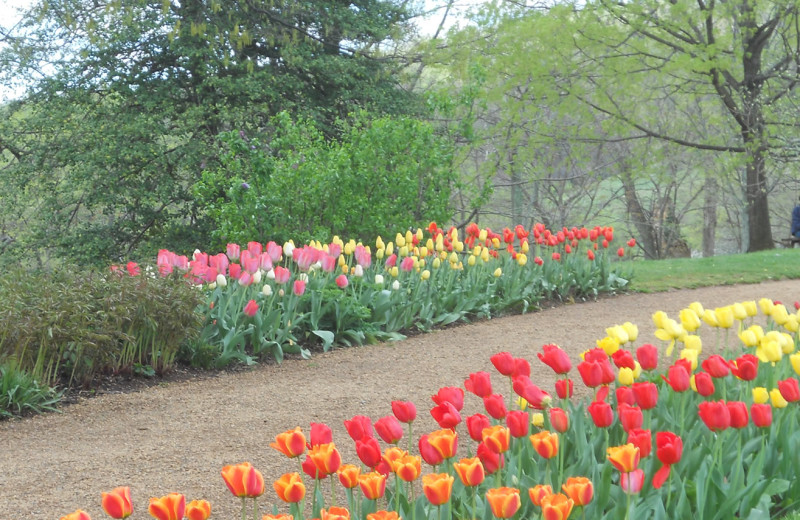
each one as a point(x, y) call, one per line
point(641, 220)
point(759, 229)
point(709, 216)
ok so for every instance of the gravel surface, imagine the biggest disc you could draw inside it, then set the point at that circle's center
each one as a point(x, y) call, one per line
point(177, 435)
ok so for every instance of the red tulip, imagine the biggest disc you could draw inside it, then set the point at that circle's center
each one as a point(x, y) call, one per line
point(342, 281)
point(623, 359)
point(642, 439)
point(429, 454)
point(762, 415)
point(559, 419)
point(446, 415)
point(503, 362)
point(491, 460)
point(251, 308)
point(320, 434)
point(476, 424)
point(646, 395)
point(405, 411)
point(368, 451)
point(630, 417)
point(518, 423)
point(738, 413)
point(596, 373)
point(525, 388)
point(450, 394)
point(704, 384)
point(789, 389)
point(117, 503)
point(479, 383)
point(556, 359)
point(745, 367)
point(625, 395)
point(495, 406)
point(590, 255)
point(715, 415)
point(632, 242)
point(389, 429)
point(716, 366)
point(299, 287)
point(521, 368)
point(358, 427)
point(669, 447)
point(647, 355)
point(602, 414)
point(677, 377)
point(564, 388)
point(621, 252)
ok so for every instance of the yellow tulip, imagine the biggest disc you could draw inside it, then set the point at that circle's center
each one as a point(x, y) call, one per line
point(795, 359)
point(471, 260)
point(632, 330)
point(619, 333)
point(792, 325)
point(482, 234)
point(691, 355)
point(659, 317)
point(395, 271)
point(379, 254)
point(766, 306)
point(697, 307)
point(769, 351)
point(777, 399)
point(419, 234)
point(522, 404)
point(637, 371)
point(496, 243)
point(786, 342)
point(345, 269)
point(477, 250)
point(341, 261)
point(336, 240)
point(626, 376)
point(390, 248)
point(485, 255)
point(710, 317)
point(409, 237)
point(749, 337)
point(454, 235)
point(780, 314)
point(760, 395)
point(429, 244)
point(400, 240)
point(423, 251)
point(693, 342)
point(498, 273)
point(750, 308)
point(437, 263)
point(538, 420)
point(453, 258)
point(425, 274)
point(524, 247)
point(689, 319)
point(458, 246)
point(439, 243)
point(739, 312)
point(522, 260)
point(608, 344)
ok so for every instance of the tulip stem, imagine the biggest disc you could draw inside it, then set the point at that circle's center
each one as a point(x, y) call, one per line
point(255, 509)
point(333, 495)
point(244, 508)
point(474, 502)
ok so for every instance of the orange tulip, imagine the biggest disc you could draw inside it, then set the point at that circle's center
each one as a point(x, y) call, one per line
point(445, 442)
point(556, 507)
point(504, 501)
point(77, 515)
point(470, 471)
point(625, 458)
point(538, 492)
point(335, 513)
point(326, 458)
point(117, 503)
point(579, 489)
point(290, 488)
point(348, 475)
point(437, 487)
point(392, 455)
point(497, 438)
point(291, 443)
point(244, 480)
point(198, 510)
point(277, 517)
point(373, 485)
point(383, 515)
point(408, 467)
point(545, 443)
point(168, 507)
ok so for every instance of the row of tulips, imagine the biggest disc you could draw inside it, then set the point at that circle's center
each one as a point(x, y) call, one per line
point(268, 299)
point(725, 426)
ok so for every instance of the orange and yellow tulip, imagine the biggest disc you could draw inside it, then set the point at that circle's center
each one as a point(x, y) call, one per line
point(326, 458)
point(556, 507)
point(243, 480)
point(198, 510)
point(497, 438)
point(373, 485)
point(625, 458)
point(504, 501)
point(290, 488)
point(383, 515)
point(168, 507)
point(538, 492)
point(117, 502)
point(445, 442)
point(579, 489)
point(277, 517)
point(437, 487)
point(470, 471)
point(545, 443)
point(408, 467)
point(334, 513)
point(348, 475)
point(77, 515)
point(291, 443)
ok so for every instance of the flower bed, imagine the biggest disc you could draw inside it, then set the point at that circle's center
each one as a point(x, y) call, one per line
point(711, 434)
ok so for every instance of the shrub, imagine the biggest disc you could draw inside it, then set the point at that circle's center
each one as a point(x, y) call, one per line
point(20, 393)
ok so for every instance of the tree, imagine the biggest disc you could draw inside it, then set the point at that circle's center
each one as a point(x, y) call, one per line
point(129, 96)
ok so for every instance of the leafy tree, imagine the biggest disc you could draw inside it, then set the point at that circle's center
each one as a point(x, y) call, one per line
point(128, 98)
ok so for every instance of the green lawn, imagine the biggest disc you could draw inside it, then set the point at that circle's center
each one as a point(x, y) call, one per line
point(687, 273)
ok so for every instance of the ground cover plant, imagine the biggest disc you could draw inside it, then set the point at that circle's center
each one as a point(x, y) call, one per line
point(701, 423)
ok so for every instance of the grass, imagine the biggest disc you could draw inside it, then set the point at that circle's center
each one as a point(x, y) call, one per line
point(689, 273)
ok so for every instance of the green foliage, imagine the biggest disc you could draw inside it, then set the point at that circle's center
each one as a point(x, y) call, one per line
point(21, 393)
point(68, 325)
point(295, 184)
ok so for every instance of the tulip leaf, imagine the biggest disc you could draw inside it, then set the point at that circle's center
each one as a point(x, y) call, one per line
point(327, 338)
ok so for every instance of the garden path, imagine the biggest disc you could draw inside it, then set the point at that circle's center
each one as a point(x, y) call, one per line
point(176, 436)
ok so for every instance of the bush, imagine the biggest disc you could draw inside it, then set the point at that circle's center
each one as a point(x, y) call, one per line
point(20, 393)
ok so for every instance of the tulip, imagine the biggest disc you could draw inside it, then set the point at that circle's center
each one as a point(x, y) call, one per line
point(369, 452)
point(596, 373)
point(405, 411)
point(389, 429)
point(358, 427)
point(334, 513)
point(703, 384)
point(198, 510)
point(326, 459)
point(408, 467)
point(290, 488)
point(564, 388)
point(716, 366)
point(477, 423)
point(342, 281)
point(117, 503)
point(777, 399)
point(602, 414)
point(669, 447)
point(450, 394)
point(630, 417)
point(479, 383)
point(623, 359)
point(625, 395)
point(789, 389)
point(677, 377)
point(545, 443)
point(470, 471)
point(383, 515)
point(251, 308)
point(538, 492)
point(642, 439)
point(609, 344)
point(762, 415)
point(429, 454)
point(495, 406)
point(446, 415)
point(492, 461)
point(555, 358)
point(504, 502)
point(299, 287)
point(348, 475)
point(497, 438)
point(503, 362)
point(77, 515)
point(715, 415)
point(760, 395)
point(632, 482)
point(373, 485)
point(579, 489)
point(445, 442)
point(625, 458)
point(518, 423)
point(243, 480)
point(437, 488)
point(559, 419)
point(738, 413)
point(168, 507)
point(525, 388)
point(291, 443)
point(556, 507)
point(647, 355)
point(277, 517)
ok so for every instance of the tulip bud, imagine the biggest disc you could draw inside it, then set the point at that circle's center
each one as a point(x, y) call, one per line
point(396, 285)
point(266, 290)
point(221, 280)
point(379, 279)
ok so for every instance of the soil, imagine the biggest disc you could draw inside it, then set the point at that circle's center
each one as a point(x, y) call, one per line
point(176, 433)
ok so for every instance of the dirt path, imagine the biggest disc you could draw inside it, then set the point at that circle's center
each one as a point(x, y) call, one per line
point(177, 436)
